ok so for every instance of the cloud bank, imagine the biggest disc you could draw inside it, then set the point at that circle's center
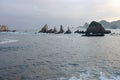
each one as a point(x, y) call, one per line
point(36, 13)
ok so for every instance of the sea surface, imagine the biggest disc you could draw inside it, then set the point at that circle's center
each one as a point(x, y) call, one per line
point(30, 56)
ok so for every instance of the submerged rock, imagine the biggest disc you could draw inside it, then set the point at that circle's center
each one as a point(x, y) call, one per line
point(61, 30)
point(3, 28)
point(68, 31)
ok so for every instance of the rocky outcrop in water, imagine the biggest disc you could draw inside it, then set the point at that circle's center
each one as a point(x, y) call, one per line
point(68, 31)
point(52, 30)
point(61, 30)
point(96, 29)
point(3, 28)
point(44, 29)
point(55, 30)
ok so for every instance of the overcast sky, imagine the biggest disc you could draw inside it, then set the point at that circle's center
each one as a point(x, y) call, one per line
point(35, 13)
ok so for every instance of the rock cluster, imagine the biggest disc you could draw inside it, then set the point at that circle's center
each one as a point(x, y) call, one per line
point(46, 30)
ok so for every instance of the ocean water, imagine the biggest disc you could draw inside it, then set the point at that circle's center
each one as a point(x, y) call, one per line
point(29, 56)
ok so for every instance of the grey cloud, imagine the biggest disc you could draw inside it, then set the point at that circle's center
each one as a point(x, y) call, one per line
point(35, 13)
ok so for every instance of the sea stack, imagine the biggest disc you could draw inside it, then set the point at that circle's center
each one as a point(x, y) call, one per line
point(3, 28)
point(61, 30)
point(95, 29)
point(44, 29)
point(68, 31)
point(55, 30)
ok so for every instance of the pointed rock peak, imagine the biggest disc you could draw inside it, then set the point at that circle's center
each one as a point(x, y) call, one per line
point(46, 25)
point(86, 25)
point(55, 30)
point(61, 29)
point(68, 31)
point(44, 29)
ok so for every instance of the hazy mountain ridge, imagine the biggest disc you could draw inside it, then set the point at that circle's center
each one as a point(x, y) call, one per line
point(106, 24)
point(111, 25)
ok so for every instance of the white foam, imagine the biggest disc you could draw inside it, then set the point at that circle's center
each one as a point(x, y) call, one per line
point(8, 41)
point(88, 76)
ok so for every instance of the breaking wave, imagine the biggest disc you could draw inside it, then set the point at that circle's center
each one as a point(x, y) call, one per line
point(5, 41)
point(91, 76)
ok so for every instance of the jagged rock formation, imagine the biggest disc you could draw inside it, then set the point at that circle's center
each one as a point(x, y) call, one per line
point(3, 28)
point(68, 31)
point(44, 29)
point(96, 29)
point(52, 30)
point(85, 25)
point(61, 30)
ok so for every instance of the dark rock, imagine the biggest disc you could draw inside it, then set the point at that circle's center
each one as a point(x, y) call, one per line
point(61, 30)
point(94, 34)
point(80, 32)
point(13, 30)
point(96, 29)
point(68, 31)
point(77, 31)
point(55, 30)
point(50, 31)
point(44, 29)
